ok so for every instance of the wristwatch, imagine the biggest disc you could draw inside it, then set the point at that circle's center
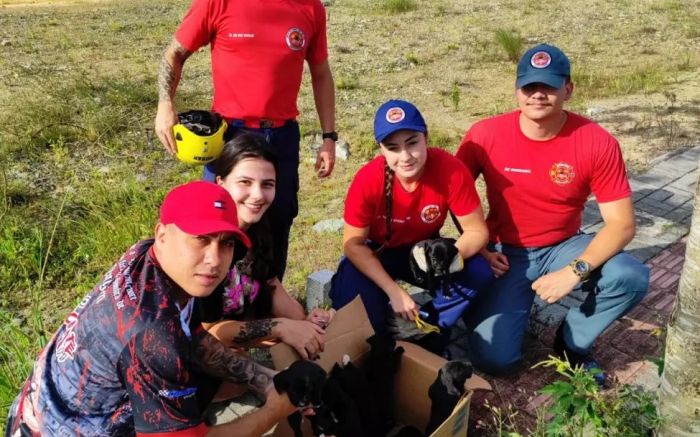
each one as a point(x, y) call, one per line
point(330, 135)
point(581, 268)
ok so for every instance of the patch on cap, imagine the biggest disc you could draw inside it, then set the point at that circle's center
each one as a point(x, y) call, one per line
point(218, 204)
point(540, 60)
point(395, 115)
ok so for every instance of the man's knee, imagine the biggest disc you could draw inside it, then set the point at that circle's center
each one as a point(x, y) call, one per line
point(493, 359)
point(626, 274)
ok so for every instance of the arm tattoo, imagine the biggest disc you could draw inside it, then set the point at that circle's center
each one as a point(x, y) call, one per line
point(168, 74)
point(219, 361)
point(254, 330)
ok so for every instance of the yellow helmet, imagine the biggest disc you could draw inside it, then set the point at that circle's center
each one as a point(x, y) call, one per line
point(199, 136)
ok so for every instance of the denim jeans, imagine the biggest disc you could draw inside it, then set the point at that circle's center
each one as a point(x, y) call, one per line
point(500, 316)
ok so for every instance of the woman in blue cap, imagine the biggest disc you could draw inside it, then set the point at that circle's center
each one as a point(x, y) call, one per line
point(398, 199)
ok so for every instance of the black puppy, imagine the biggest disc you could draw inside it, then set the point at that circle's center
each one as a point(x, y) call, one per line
point(354, 382)
point(338, 414)
point(303, 382)
point(446, 391)
point(433, 261)
point(381, 367)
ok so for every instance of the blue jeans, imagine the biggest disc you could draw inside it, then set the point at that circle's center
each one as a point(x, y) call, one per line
point(348, 282)
point(284, 141)
point(501, 315)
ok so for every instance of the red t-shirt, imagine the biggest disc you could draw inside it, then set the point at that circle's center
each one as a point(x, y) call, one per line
point(258, 50)
point(417, 215)
point(537, 189)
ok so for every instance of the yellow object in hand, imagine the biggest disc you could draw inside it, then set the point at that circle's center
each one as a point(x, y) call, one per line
point(426, 327)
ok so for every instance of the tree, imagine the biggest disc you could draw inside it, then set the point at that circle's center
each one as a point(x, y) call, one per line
point(679, 394)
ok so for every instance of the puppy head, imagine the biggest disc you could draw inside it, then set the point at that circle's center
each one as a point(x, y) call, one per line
point(303, 383)
point(443, 256)
point(382, 344)
point(454, 374)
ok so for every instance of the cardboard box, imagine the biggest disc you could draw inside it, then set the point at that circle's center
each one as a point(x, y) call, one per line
point(347, 334)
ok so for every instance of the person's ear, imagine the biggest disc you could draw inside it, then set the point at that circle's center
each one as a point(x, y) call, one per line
point(219, 180)
point(160, 232)
point(569, 88)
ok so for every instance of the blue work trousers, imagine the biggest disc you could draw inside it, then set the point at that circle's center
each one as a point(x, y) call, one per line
point(500, 316)
point(284, 141)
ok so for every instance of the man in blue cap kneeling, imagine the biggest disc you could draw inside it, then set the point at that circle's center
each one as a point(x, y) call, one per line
point(540, 164)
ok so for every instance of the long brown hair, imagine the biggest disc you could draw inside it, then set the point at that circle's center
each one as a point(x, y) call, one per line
point(259, 260)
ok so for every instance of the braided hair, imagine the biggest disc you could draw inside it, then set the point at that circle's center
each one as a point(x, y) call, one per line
point(388, 201)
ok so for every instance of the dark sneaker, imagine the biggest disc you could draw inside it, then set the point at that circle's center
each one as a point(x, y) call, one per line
point(577, 359)
point(599, 375)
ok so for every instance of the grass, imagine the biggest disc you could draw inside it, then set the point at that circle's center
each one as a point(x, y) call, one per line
point(511, 42)
point(398, 6)
point(81, 175)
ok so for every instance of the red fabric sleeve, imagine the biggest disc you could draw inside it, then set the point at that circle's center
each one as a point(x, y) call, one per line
point(318, 46)
point(471, 153)
point(196, 29)
point(462, 197)
point(198, 431)
point(609, 181)
point(364, 194)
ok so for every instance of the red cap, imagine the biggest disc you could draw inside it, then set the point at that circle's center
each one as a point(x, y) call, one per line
point(200, 208)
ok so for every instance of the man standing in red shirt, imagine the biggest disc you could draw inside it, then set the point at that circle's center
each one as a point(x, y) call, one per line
point(540, 163)
point(258, 51)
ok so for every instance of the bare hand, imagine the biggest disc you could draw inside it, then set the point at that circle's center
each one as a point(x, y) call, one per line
point(404, 305)
point(325, 159)
point(166, 118)
point(553, 286)
point(321, 317)
point(279, 404)
point(498, 262)
point(304, 336)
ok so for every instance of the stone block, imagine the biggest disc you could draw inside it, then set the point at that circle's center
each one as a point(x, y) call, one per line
point(686, 182)
point(318, 285)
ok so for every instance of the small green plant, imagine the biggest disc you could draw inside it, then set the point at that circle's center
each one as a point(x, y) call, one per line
point(413, 59)
point(398, 6)
point(579, 408)
point(511, 42)
point(455, 96)
point(347, 83)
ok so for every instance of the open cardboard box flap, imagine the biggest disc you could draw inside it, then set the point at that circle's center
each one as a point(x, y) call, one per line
point(347, 334)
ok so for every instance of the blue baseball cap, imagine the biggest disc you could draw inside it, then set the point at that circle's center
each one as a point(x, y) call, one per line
point(397, 115)
point(543, 64)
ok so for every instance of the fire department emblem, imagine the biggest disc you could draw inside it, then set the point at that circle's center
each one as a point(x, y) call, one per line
point(540, 60)
point(295, 39)
point(430, 213)
point(395, 115)
point(562, 173)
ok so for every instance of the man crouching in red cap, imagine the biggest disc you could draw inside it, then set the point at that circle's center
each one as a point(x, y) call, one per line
point(125, 361)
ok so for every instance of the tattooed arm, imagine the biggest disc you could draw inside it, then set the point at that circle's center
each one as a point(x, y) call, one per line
point(169, 72)
point(219, 361)
point(304, 336)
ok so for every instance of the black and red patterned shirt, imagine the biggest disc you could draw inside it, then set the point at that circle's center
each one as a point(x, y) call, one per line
point(120, 365)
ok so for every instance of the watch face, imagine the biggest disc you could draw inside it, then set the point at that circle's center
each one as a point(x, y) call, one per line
point(581, 267)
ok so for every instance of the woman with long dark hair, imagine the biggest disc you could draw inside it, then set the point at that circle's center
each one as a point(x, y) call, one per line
point(252, 304)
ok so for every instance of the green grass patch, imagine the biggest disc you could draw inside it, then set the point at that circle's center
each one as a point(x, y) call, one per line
point(511, 42)
point(591, 85)
point(398, 6)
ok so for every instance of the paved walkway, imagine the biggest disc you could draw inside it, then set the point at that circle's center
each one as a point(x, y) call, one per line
point(664, 204)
